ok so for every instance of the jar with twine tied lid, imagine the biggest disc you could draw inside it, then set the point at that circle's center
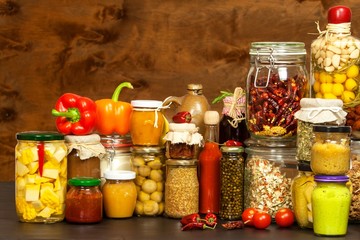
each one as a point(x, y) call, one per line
point(315, 111)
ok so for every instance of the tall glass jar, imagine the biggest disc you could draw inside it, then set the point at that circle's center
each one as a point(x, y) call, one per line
point(231, 182)
point(354, 176)
point(181, 188)
point(276, 82)
point(40, 176)
point(149, 165)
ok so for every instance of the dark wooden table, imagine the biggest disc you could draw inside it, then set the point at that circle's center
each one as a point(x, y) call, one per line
point(156, 228)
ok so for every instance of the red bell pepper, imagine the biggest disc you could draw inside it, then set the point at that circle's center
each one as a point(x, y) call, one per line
point(182, 117)
point(210, 219)
point(75, 114)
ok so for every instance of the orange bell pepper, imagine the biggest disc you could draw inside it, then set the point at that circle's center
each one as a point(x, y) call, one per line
point(113, 116)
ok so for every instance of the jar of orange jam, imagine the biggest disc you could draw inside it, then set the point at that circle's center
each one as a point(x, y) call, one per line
point(119, 193)
point(147, 122)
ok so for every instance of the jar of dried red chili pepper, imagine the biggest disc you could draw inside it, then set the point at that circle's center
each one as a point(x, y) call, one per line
point(276, 82)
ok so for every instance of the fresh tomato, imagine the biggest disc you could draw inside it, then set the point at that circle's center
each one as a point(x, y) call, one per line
point(261, 220)
point(231, 143)
point(284, 217)
point(248, 215)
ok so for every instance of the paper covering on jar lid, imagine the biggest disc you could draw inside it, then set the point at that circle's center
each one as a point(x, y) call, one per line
point(318, 110)
point(87, 145)
point(184, 133)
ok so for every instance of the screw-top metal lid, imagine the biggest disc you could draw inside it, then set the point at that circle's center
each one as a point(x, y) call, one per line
point(84, 181)
point(119, 175)
point(331, 129)
point(39, 136)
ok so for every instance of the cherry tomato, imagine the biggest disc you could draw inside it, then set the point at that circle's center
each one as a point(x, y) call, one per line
point(231, 143)
point(284, 217)
point(248, 215)
point(261, 220)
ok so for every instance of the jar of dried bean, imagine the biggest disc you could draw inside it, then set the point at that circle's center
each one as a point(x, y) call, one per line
point(268, 176)
point(354, 177)
point(181, 188)
point(335, 59)
point(276, 82)
point(149, 165)
point(231, 183)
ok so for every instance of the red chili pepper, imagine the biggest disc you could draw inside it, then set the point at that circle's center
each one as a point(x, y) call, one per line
point(41, 156)
point(182, 117)
point(75, 114)
point(210, 219)
point(196, 225)
point(191, 218)
point(231, 143)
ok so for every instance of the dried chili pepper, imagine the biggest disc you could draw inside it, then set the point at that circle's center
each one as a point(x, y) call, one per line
point(233, 225)
point(191, 218)
point(196, 226)
point(182, 117)
point(210, 219)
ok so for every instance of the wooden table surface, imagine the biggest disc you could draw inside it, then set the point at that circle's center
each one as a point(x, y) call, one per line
point(156, 228)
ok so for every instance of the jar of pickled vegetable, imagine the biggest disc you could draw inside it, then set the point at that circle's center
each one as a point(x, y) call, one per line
point(330, 152)
point(181, 188)
point(147, 122)
point(276, 82)
point(231, 182)
point(149, 165)
point(119, 193)
point(84, 200)
point(40, 176)
point(330, 204)
point(354, 177)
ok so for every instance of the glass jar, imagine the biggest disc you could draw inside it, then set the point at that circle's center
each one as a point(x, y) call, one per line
point(84, 201)
point(181, 188)
point(84, 155)
point(147, 122)
point(149, 165)
point(119, 193)
point(231, 183)
point(276, 82)
point(40, 176)
point(354, 176)
point(330, 152)
point(301, 189)
point(330, 204)
point(268, 176)
point(183, 141)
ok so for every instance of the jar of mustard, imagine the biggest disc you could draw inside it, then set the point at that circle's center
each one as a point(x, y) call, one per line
point(40, 176)
point(330, 152)
point(119, 193)
point(147, 122)
point(330, 204)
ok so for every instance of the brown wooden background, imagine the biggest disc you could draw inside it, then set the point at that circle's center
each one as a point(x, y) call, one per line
point(49, 47)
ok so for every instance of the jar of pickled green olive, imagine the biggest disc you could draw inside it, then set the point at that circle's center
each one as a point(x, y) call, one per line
point(330, 152)
point(231, 182)
point(40, 176)
point(330, 204)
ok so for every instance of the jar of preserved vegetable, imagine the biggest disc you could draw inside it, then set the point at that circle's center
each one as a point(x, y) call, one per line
point(40, 176)
point(119, 193)
point(354, 175)
point(330, 204)
point(232, 183)
point(183, 141)
point(181, 188)
point(84, 200)
point(276, 82)
point(330, 152)
point(315, 111)
point(149, 165)
point(268, 176)
point(84, 153)
point(147, 122)
point(301, 189)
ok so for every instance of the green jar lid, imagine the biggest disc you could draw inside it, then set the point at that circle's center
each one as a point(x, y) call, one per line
point(39, 136)
point(84, 181)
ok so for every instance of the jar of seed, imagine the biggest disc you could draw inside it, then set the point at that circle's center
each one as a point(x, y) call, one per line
point(232, 183)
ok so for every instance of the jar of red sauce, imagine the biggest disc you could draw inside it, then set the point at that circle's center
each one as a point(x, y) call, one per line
point(84, 201)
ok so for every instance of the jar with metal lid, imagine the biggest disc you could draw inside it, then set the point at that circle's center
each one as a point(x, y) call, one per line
point(40, 176)
point(330, 152)
point(149, 165)
point(301, 189)
point(354, 176)
point(268, 176)
point(183, 141)
point(315, 111)
point(231, 182)
point(330, 204)
point(119, 193)
point(276, 82)
point(181, 188)
point(84, 153)
point(84, 200)
point(146, 122)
